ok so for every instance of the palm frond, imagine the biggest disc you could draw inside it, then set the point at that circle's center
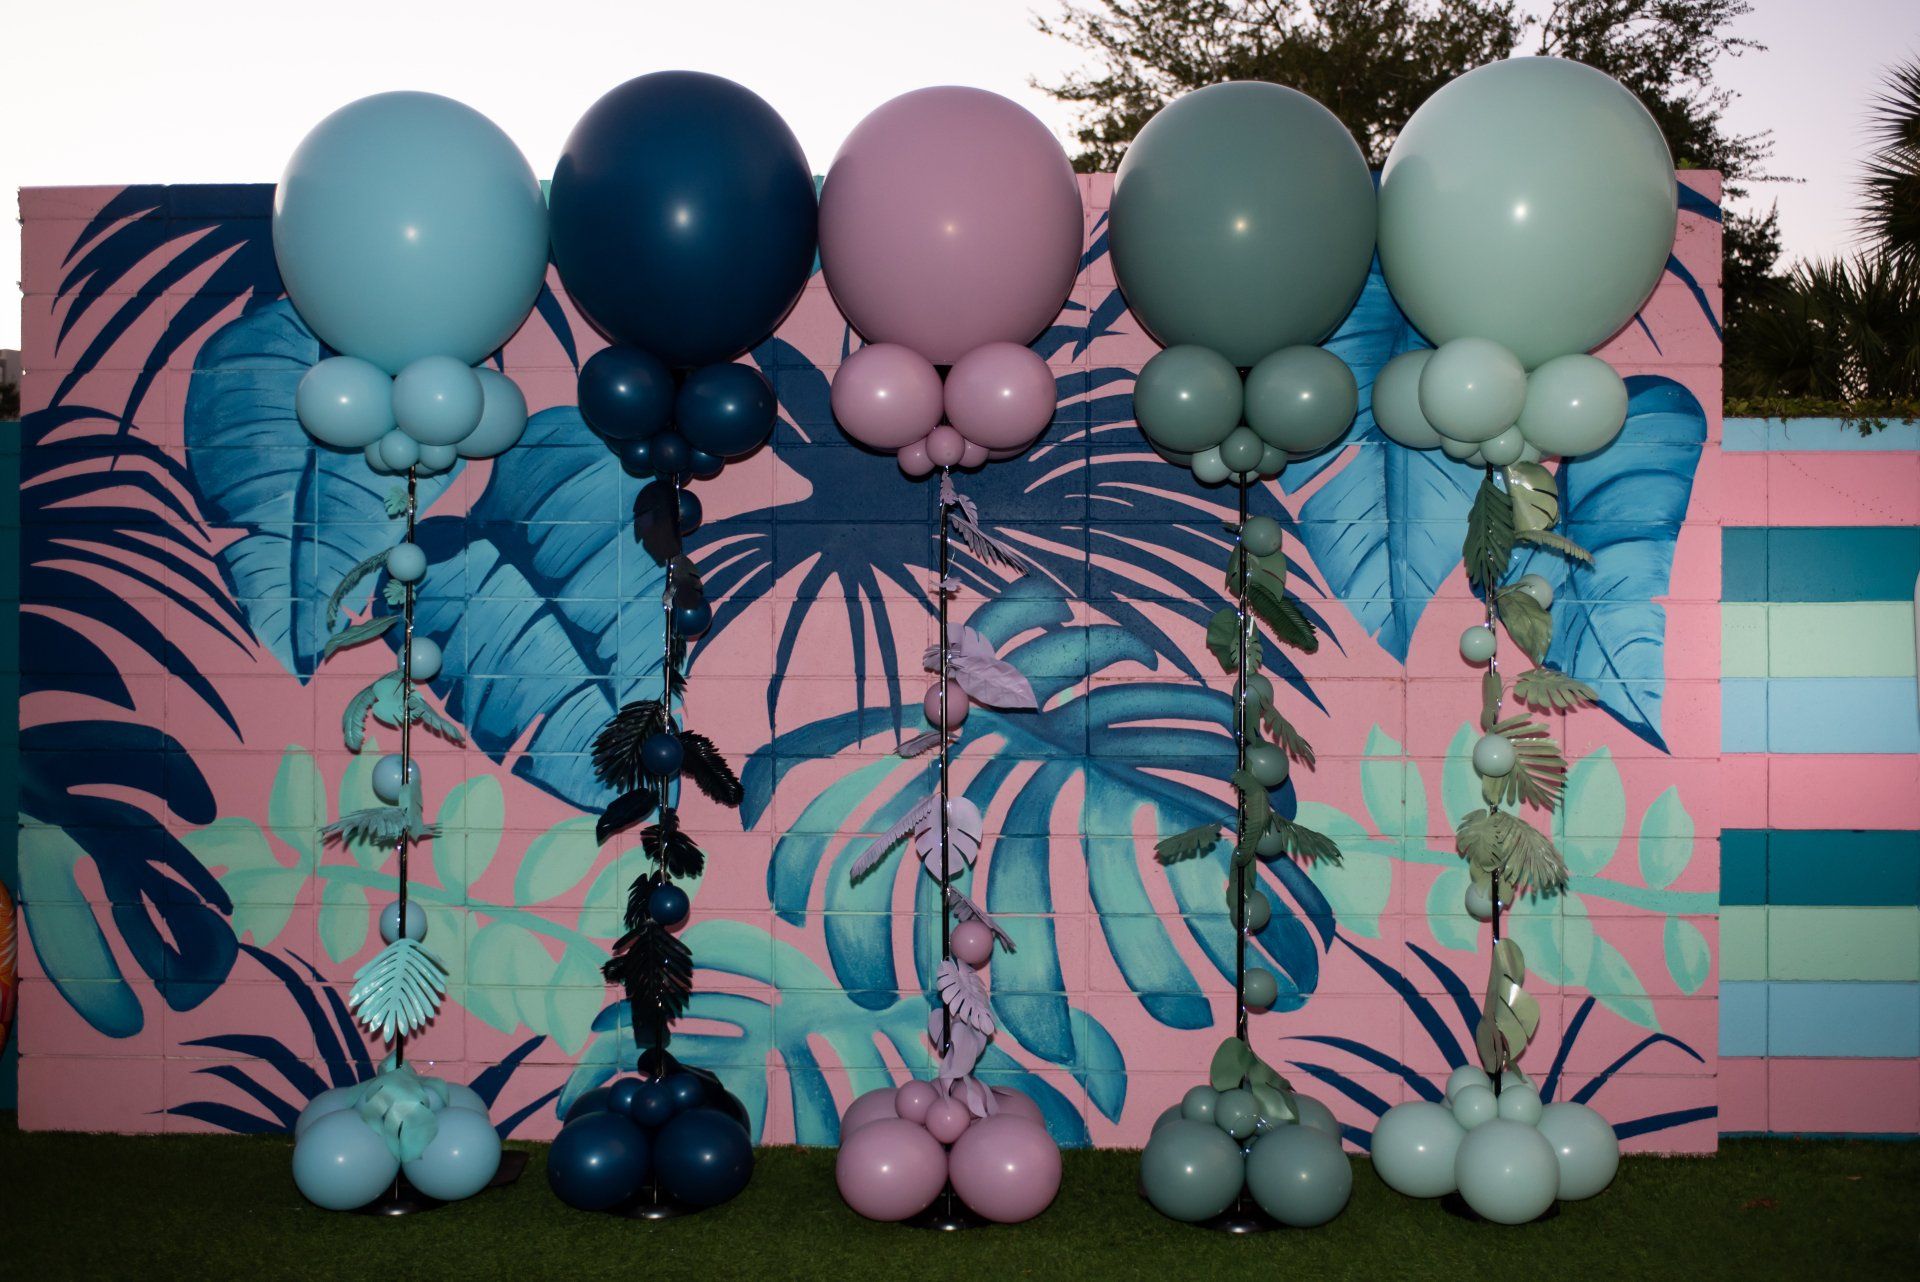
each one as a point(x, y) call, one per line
point(655, 969)
point(399, 991)
point(710, 771)
point(616, 749)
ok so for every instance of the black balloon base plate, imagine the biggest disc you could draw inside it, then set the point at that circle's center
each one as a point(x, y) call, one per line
point(650, 1206)
point(948, 1214)
point(404, 1199)
point(1243, 1217)
point(1455, 1205)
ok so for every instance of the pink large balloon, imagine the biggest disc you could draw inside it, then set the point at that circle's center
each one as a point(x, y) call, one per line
point(870, 1107)
point(1001, 395)
point(1005, 1168)
point(1018, 1103)
point(886, 396)
point(891, 1169)
point(950, 219)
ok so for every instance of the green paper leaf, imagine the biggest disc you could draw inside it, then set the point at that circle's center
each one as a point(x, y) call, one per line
point(1188, 844)
point(1283, 617)
point(1539, 772)
point(347, 582)
point(1223, 638)
point(1555, 542)
point(1489, 544)
point(1535, 496)
point(397, 501)
point(1530, 626)
point(1256, 807)
point(1231, 1059)
point(358, 634)
point(1289, 739)
point(1491, 696)
point(1549, 691)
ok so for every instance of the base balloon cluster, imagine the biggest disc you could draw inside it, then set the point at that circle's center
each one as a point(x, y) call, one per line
point(353, 1142)
point(1213, 1147)
point(679, 1140)
point(1509, 1157)
point(900, 1148)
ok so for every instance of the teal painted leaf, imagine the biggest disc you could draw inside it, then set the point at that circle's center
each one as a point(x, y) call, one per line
point(507, 974)
point(343, 918)
point(1447, 912)
point(67, 939)
point(264, 890)
point(556, 861)
point(1593, 813)
point(472, 815)
point(1611, 980)
point(1666, 840)
point(1459, 785)
point(1688, 957)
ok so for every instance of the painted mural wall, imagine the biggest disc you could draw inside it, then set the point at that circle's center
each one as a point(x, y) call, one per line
point(188, 936)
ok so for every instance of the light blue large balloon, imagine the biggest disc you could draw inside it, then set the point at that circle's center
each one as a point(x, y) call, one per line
point(461, 1159)
point(1507, 1172)
point(1585, 1145)
point(409, 225)
point(345, 402)
point(1299, 1176)
point(1531, 202)
point(341, 1163)
point(329, 1101)
point(1414, 1146)
point(503, 416)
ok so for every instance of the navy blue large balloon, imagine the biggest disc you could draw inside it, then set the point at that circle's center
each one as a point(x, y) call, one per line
point(598, 1161)
point(703, 1157)
point(683, 216)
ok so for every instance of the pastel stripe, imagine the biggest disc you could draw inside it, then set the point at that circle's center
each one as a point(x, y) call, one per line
point(1820, 715)
point(1821, 435)
point(1824, 639)
point(1872, 945)
point(1820, 563)
point(1819, 868)
point(1819, 1096)
point(1843, 1020)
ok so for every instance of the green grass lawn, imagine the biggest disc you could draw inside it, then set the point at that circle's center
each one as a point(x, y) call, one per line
point(193, 1207)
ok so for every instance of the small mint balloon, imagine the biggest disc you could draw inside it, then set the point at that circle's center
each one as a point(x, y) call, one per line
point(345, 402)
point(437, 400)
point(1267, 764)
point(1475, 1106)
point(1236, 1112)
point(1508, 447)
point(1575, 405)
point(1209, 468)
point(1396, 401)
point(1519, 1103)
point(407, 563)
point(1187, 399)
point(1199, 1103)
point(1259, 912)
point(1464, 1076)
point(1479, 904)
point(435, 459)
point(1301, 399)
point(1242, 450)
point(1493, 756)
point(1537, 588)
point(390, 775)
point(390, 922)
point(1478, 643)
point(424, 659)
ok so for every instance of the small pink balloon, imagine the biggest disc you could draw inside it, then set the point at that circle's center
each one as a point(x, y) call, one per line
point(974, 455)
point(1019, 1104)
point(913, 1099)
point(1005, 1168)
point(1000, 395)
point(972, 943)
point(957, 706)
point(870, 1107)
point(945, 446)
point(914, 460)
point(948, 1119)
point(887, 396)
point(890, 1169)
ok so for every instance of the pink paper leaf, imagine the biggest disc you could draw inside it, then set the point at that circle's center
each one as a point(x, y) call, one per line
point(922, 813)
point(964, 993)
point(966, 910)
point(964, 827)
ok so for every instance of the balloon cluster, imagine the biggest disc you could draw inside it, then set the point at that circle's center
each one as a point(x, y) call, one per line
point(663, 426)
point(411, 236)
point(352, 1142)
point(901, 1147)
point(1213, 1144)
point(1526, 212)
point(680, 1138)
point(1241, 232)
point(950, 234)
point(1508, 1156)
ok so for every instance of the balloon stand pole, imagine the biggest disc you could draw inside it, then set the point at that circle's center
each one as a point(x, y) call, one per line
point(1493, 665)
point(948, 1214)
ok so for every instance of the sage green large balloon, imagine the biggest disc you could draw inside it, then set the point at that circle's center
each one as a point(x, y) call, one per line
point(1396, 401)
point(1299, 1176)
point(1301, 399)
point(1531, 202)
point(1414, 1146)
point(1187, 399)
point(1242, 220)
point(1191, 1170)
point(1574, 405)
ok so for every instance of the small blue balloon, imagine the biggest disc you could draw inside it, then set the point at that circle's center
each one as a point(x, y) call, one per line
point(345, 402)
point(390, 922)
point(668, 905)
point(692, 620)
point(329, 1101)
point(686, 1091)
point(671, 454)
point(390, 775)
point(690, 511)
point(460, 1160)
point(503, 416)
point(636, 458)
point(435, 459)
point(620, 1095)
point(661, 754)
point(437, 400)
point(424, 658)
point(598, 1161)
point(407, 563)
point(593, 1101)
point(727, 410)
point(626, 394)
point(703, 1157)
point(652, 1105)
point(704, 465)
point(398, 451)
point(342, 1163)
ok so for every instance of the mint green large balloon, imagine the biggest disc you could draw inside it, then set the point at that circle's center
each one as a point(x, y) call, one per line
point(1531, 202)
point(1242, 220)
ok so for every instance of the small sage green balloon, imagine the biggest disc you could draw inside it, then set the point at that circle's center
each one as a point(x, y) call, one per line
point(1505, 448)
point(1472, 389)
point(1241, 450)
point(1301, 399)
point(1236, 1113)
point(1414, 1146)
point(1209, 468)
point(1242, 220)
point(1478, 643)
point(1187, 399)
point(1479, 904)
point(1191, 1170)
point(1257, 684)
point(1537, 588)
point(1197, 1105)
point(1299, 1176)
point(1462, 451)
point(1507, 1172)
point(1261, 988)
point(398, 451)
point(1464, 1076)
point(1261, 536)
point(1272, 462)
point(1267, 764)
point(1493, 756)
point(1396, 401)
point(1587, 1149)
point(1575, 405)
point(1519, 1103)
point(1271, 844)
point(1315, 1114)
point(1475, 1106)
point(1259, 911)
point(1531, 202)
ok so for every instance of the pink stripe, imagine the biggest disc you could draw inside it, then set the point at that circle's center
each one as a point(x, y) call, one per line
point(1877, 1096)
point(1817, 791)
point(1743, 1094)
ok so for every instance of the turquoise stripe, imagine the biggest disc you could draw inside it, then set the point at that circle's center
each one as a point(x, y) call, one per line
point(1835, 868)
point(1819, 563)
point(1819, 715)
point(1743, 867)
point(1829, 1020)
point(1816, 435)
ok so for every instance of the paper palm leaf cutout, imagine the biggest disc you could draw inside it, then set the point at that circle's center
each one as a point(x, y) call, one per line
point(616, 749)
point(922, 811)
point(1495, 842)
point(1539, 771)
point(399, 991)
point(974, 1093)
point(666, 844)
point(377, 826)
point(710, 771)
point(964, 909)
point(1546, 689)
point(965, 994)
point(655, 969)
point(965, 826)
point(985, 676)
point(923, 742)
point(1510, 1016)
point(965, 518)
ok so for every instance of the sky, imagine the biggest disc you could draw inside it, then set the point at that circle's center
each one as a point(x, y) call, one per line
point(124, 91)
